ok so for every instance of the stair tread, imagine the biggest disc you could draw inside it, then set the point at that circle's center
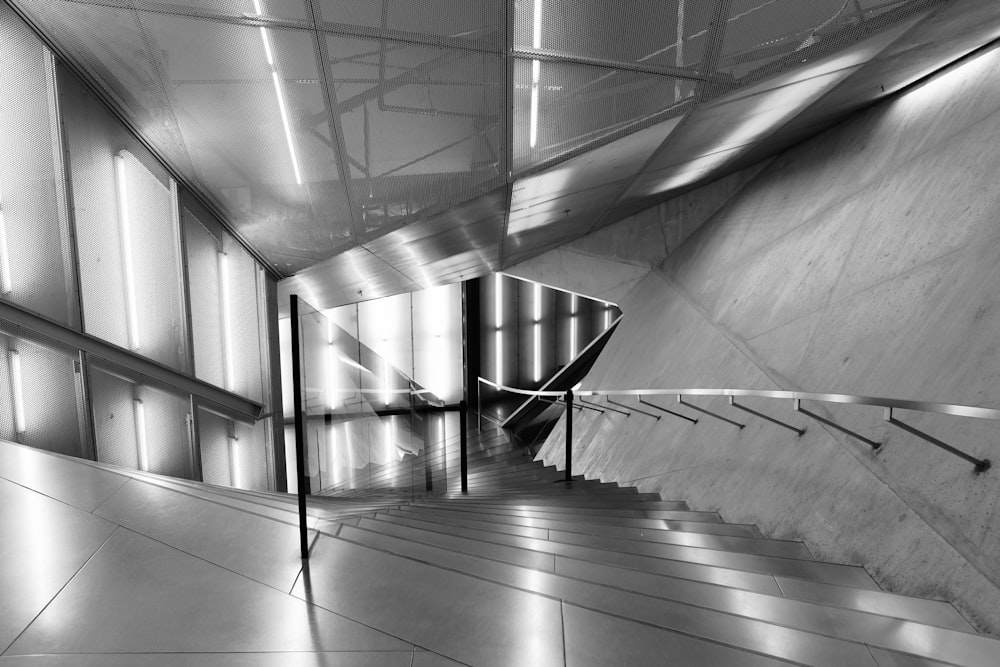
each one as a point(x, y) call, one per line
point(743, 619)
point(770, 565)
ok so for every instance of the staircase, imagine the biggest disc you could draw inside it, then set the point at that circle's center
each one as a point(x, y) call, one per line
point(524, 569)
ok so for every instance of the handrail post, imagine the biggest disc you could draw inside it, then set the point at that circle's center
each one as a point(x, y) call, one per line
point(569, 435)
point(300, 428)
point(463, 427)
point(797, 406)
point(982, 465)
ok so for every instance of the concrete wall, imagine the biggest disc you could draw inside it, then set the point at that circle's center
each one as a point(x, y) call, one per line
point(866, 260)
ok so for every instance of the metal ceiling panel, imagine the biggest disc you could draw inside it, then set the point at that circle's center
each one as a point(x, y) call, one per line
point(316, 126)
point(562, 108)
point(463, 241)
point(481, 23)
point(566, 200)
point(654, 32)
point(948, 34)
point(354, 275)
point(422, 127)
point(764, 38)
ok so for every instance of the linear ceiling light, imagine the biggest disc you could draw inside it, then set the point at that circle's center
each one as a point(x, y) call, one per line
point(279, 93)
point(131, 308)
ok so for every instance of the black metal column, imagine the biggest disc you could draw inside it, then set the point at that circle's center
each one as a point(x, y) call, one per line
point(300, 428)
point(463, 434)
point(569, 435)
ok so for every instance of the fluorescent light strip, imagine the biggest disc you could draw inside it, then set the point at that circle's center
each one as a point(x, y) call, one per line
point(331, 375)
point(386, 393)
point(269, 54)
point(332, 456)
point(536, 297)
point(130, 306)
point(573, 324)
point(498, 300)
point(498, 358)
point(6, 283)
point(140, 434)
point(227, 322)
point(20, 423)
point(607, 315)
point(536, 71)
point(288, 129)
point(538, 351)
point(234, 448)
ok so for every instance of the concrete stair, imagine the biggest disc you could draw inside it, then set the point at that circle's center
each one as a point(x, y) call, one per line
point(635, 579)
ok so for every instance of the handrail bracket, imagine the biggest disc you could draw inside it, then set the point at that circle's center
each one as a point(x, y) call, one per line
point(669, 412)
point(632, 409)
point(982, 465)
point(680, 399)
point(797, 406)
point(799, 431)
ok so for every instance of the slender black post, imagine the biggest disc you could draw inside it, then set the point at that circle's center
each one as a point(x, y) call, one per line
point(463, 428)
point(569, 435)
point(300, 428)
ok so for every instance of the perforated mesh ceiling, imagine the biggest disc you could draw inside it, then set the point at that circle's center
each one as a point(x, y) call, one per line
point(318, 126)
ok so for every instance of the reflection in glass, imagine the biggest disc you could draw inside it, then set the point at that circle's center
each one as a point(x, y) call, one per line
point(368, 425)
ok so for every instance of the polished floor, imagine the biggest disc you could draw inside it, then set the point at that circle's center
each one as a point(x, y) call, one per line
point(109, 567)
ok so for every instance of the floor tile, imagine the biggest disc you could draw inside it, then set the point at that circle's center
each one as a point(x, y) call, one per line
point(326, 659)
point(139, 596)
point(262, 549)
point(463, 618)
point(64, 479)
point(598, 640)
point(429, 659)
point(304, 659)
point(43, 543)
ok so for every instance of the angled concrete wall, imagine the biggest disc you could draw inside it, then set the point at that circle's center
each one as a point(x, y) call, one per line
point(866, 260)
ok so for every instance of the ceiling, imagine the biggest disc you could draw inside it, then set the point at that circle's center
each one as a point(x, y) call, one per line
point(366, 148)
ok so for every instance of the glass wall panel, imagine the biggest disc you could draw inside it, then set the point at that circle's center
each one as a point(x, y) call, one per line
point(367, 424)
point(125, 208)
point(36, 269)
point(437, 341)
point(41, 398)
point(138, 426)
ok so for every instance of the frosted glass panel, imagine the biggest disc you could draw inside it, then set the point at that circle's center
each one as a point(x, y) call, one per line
point(139, 427)
point(227, 314)
point(40, 395)
point(127, 234)
point(35, 266)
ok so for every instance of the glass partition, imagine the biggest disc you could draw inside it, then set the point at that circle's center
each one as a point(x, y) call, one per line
point(368, 427)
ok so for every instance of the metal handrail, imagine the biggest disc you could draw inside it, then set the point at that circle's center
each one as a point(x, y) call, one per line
point(796, 397)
